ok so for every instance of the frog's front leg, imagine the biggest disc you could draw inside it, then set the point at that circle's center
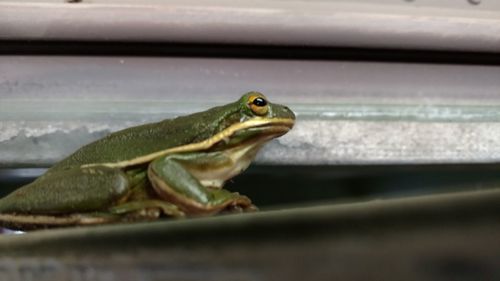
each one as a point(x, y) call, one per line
point(193, 182)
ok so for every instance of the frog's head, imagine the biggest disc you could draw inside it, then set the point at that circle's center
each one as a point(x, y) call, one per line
point(253, 119)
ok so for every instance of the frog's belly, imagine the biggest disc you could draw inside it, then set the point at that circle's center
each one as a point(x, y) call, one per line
point(235, 161)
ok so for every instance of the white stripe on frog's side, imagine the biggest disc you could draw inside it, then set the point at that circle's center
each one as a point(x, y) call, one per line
point(32, 221)
point(285, 123)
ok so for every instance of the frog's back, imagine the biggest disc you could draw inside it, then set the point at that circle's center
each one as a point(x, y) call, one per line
point(142, 140)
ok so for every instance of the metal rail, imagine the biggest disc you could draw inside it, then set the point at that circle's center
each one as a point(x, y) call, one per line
point(436, 25)
point(348, 112)
point(427, 238)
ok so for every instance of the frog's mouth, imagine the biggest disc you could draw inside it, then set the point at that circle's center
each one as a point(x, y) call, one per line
point(265, 125)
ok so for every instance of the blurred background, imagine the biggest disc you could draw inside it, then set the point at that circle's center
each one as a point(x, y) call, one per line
point(397, 133)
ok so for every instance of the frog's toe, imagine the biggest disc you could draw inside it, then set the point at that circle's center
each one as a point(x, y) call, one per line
point(240, 209)
point(240, 204)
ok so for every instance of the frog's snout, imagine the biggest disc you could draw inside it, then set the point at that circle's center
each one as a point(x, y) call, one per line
point(289, 112)
point(287, 116)
point(286, 113)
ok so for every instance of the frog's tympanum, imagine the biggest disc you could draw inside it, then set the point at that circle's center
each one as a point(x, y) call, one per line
point(173, 168)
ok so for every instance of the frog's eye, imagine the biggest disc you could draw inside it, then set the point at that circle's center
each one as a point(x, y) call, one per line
point(258, 104)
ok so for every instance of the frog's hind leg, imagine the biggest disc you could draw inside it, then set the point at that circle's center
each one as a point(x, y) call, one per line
point(72, 191)
point(142, 204)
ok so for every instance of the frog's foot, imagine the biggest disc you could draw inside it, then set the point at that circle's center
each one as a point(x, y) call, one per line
point(146, 210)
point(232, 202)
point(240, 209)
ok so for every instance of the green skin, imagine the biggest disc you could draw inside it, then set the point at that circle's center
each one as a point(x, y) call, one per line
point(133, 174)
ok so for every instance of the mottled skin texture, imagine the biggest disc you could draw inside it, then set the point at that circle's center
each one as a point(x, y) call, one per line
point(133, 175)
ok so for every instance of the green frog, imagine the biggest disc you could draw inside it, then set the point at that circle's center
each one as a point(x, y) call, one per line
point(173, 168)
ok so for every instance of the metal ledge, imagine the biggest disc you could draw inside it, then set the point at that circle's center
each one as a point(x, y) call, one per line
point(424, 238)
point(429, 25)
point(348, 112)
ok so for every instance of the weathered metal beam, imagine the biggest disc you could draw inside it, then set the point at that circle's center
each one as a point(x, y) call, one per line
point(435, 25)
point(427, 238)
point(348, 112)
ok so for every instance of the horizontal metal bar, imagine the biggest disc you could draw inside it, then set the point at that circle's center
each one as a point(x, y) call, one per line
point(430, 25)
point(348, 112)
point(422, 238)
